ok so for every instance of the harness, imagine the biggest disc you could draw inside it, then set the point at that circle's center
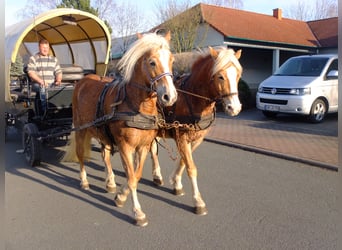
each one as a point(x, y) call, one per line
point(189, 122)
point(133, 119)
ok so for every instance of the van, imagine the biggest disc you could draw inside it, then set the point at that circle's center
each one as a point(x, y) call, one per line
point(305, 85)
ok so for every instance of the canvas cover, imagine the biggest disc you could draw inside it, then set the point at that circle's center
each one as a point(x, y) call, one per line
point(76, 37)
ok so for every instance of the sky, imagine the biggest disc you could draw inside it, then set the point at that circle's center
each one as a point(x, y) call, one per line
point(12, 8)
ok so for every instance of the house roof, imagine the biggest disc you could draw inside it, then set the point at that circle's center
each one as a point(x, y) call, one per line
point(326, 31)
point(234, 23)
point(251, 26)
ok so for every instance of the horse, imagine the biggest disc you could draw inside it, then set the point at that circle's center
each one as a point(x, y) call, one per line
point(214, 77)
point(123, 114)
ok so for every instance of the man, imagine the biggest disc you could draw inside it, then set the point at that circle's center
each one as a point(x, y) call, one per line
point(44, 70)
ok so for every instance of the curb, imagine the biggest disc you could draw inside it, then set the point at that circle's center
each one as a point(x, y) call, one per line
point(275, 154)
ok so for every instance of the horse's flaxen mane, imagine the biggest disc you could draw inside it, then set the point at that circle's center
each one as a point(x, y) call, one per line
point(137, 50)
point(225, 57)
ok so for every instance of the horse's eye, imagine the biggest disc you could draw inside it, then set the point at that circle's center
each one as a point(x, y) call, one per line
point(221, 77)
point(152, 63)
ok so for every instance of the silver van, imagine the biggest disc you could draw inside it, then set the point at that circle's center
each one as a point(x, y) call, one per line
point(305, 85)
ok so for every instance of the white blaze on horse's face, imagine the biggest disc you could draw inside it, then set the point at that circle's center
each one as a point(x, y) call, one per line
point(167, 93)
point(231, 103)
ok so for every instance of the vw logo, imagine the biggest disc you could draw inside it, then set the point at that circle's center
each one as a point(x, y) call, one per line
point(273, 91)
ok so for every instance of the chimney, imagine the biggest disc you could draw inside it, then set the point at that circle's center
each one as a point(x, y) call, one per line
point(277, 13)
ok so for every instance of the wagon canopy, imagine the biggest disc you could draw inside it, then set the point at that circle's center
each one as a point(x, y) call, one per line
point(76, 37)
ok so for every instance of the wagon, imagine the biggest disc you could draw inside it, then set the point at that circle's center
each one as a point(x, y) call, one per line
point(81, 42)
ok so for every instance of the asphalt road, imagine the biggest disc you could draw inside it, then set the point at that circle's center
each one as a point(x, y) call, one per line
point(254, 202)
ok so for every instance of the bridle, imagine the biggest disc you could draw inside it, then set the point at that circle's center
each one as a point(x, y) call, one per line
point(152, 80)
point(210, 100)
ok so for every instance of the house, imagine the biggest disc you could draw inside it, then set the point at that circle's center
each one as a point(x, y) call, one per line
point(266, 40)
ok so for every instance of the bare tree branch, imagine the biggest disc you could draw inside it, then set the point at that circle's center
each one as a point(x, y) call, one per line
point(306, 12)
point(236, 4)
point(34, 7)
point(127, 21)
point(183, 24)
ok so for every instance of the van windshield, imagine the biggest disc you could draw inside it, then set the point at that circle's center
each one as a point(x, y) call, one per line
point(302, 66)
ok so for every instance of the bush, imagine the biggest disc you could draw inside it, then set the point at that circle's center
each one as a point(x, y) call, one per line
point(245, 95)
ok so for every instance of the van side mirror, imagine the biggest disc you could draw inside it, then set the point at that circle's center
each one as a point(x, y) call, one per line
point(332, 74)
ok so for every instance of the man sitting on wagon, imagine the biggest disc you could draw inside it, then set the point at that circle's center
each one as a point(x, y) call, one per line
point(45, 71)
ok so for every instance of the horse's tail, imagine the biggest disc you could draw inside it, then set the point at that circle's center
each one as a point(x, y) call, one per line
point(70, 148)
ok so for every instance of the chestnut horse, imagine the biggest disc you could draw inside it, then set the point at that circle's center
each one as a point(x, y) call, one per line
point(123, 114)
point(214, 77)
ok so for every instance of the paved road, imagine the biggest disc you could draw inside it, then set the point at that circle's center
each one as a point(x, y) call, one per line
point(254, 202)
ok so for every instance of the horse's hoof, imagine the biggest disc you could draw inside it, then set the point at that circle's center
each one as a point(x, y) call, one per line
point(201, 210)
point(118, 202)
point(179, 192)
point(158, 182)
point(141, 222)
point(85, 186)
point(111, 190)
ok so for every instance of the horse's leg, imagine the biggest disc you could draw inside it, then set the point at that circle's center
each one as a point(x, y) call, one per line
point(156, 171)
point(176, 178)
point(186, 150)
point(81, 143)
point(133, 176)
point(139, 215)
point(121, 196)
point(110, 179)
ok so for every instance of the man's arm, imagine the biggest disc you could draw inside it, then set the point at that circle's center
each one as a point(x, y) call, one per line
point(58, 73)
point(35, 78)
point(58, 78)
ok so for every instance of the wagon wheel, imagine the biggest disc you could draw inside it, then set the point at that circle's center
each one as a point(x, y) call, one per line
point(31, 145)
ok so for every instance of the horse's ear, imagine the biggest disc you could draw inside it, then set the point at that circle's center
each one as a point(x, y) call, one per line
point(168, 36)
point(213, 52)
point(238, 54)
point(139, 35)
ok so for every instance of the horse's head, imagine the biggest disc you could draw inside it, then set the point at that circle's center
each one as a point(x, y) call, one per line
point(226, 73)
point(149, 62)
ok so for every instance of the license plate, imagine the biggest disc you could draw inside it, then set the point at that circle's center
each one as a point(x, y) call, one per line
point(271, 108)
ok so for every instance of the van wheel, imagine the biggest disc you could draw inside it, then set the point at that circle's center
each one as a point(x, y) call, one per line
point(318, 111)
point(269, 114)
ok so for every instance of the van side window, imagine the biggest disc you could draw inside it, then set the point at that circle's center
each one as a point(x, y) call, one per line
point(333, 66)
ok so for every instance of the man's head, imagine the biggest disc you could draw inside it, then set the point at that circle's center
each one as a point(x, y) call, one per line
point(44, 47)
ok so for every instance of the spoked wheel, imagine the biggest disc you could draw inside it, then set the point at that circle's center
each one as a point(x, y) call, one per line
point(31, 145)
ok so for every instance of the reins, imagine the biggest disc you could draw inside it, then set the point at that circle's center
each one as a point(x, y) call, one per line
point(199, 96)
point(203, 97)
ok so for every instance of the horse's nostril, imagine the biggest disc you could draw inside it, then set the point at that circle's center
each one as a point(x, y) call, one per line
point(166, 98)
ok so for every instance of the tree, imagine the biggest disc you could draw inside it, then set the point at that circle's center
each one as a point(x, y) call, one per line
point(17, 67)
point(102, 8)
point(127, 21)
point(183, 23)
point(236, 4)
point(305, 12)
point(186, 23)
point(34, 7)
point(78, 4)
point(83, 5)
point(171, 8)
